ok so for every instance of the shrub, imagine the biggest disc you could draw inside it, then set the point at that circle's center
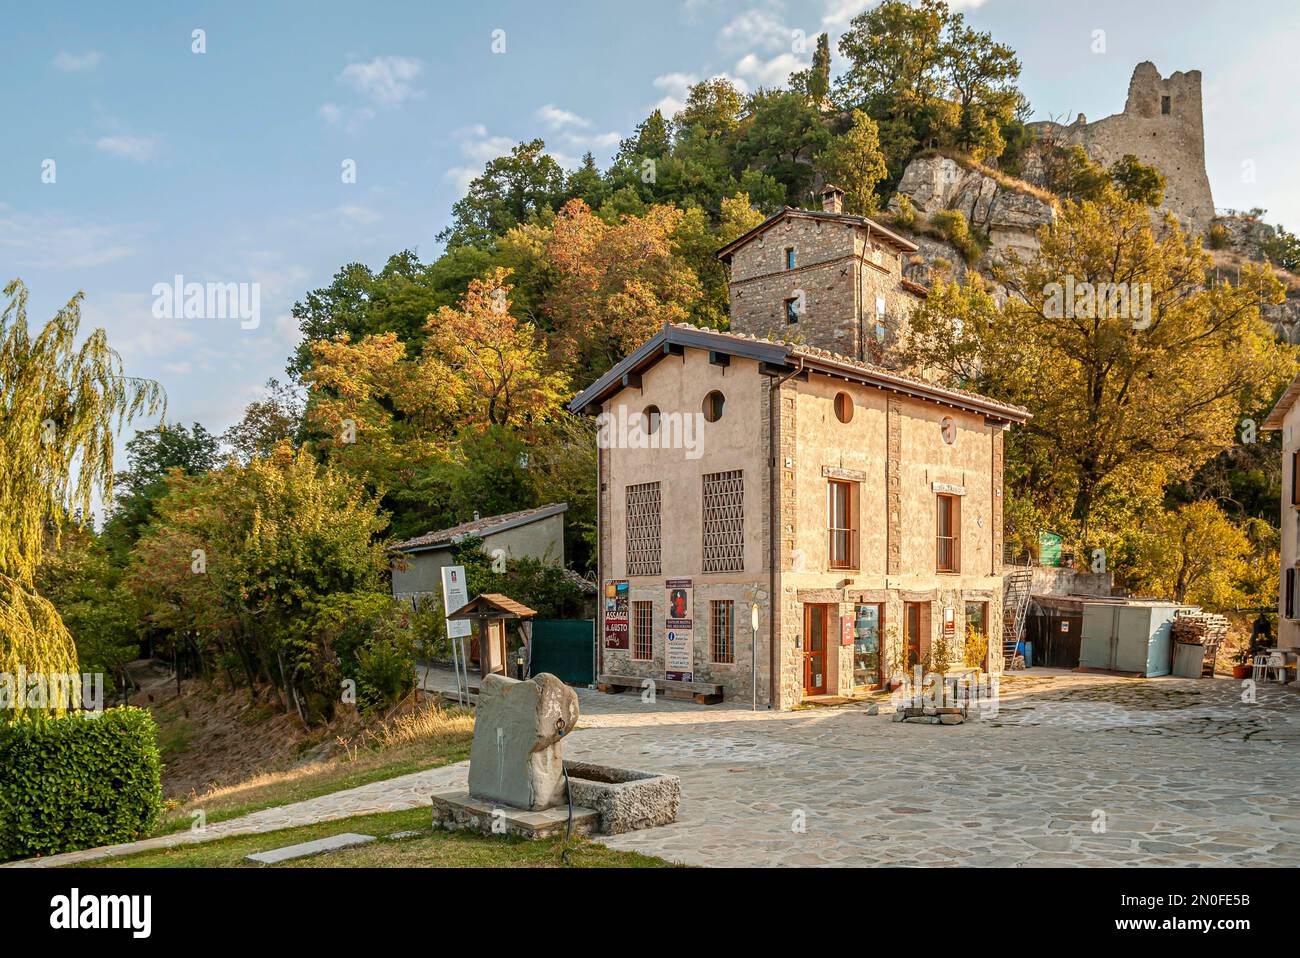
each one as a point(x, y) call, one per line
point(952, 225)
point(1218, 236)
point(78, 781)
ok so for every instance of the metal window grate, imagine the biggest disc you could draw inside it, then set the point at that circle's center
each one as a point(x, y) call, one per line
point(643, 630)
point(724, 521)
point(722, 632)
point(643, 529)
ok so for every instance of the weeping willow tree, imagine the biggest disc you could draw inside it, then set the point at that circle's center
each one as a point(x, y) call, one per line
point(60, 405)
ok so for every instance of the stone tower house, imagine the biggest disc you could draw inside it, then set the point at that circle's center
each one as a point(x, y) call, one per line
point(822, 278)
point(1162, 126)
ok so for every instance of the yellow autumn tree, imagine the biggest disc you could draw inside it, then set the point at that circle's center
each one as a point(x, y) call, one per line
point(499, 363)
point(1134, 365)
point(60, 404)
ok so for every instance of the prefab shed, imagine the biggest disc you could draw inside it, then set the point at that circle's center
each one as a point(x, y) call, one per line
point(1129, 636)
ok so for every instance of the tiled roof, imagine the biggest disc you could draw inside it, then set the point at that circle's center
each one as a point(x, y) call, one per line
point(774, 352)
point(483, 526)
point(848, 219)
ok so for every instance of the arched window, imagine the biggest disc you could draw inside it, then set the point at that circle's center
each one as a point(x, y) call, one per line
point(714, 403)
point(843, 407)
point(650, 419)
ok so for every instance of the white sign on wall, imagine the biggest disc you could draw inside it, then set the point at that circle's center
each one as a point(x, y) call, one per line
point(455, 594)
point(679, 657)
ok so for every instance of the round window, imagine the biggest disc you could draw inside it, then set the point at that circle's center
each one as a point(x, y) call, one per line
point(650, 419)
point(714, 403)
point(843, 407)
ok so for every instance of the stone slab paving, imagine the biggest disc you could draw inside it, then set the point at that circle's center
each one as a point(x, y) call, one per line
point(306, 849)
point(1081, 770)
point(1074, 770)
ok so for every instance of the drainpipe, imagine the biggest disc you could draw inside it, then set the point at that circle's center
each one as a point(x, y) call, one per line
point(598, 651)
point(774, 529)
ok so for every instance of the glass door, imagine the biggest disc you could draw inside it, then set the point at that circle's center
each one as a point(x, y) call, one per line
point(866, 645)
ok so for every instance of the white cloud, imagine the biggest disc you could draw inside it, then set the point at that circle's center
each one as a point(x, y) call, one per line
point(387, 80)
point(675, 87)
point(128, 146)
point(756, 30)
point(57, 241)
point(78, 62)
point(768, 73)
point(558, 119)
point(361, 215)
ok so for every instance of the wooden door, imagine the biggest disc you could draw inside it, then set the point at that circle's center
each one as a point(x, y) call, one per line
point(912, 633)
point(814, 649)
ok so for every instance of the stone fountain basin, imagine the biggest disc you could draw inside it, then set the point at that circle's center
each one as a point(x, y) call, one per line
point(626, 799)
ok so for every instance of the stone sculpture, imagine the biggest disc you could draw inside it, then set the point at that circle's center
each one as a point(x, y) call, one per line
point(516, 755)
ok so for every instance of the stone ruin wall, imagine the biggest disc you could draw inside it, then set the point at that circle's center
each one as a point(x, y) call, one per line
point(1173, 142)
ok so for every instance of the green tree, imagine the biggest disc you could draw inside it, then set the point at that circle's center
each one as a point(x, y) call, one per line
point(855, 164)
point(151, 455)
point(780, 137)
point(511, 190)
point(1137, 181)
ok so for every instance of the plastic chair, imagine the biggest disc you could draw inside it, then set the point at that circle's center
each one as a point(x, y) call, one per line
point(1272, 662)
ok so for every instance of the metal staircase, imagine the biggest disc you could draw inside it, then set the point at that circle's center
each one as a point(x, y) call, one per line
point(1015, 606)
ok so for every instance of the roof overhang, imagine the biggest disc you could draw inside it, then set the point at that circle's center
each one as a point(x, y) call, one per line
point(1273, 420)
point(544, 512)
point(780, 359)
point(848, 219)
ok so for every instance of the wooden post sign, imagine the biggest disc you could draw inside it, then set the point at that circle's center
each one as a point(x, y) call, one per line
point(679, 650)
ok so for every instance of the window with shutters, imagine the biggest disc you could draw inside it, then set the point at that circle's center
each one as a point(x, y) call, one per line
point(643, 544)
point(948, 536)
point(724, 522)
point(1289, 604)
point(1295, 478)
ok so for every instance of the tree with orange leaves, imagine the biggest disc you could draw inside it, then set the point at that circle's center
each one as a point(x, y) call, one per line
point(499, 364)
point(615, 284)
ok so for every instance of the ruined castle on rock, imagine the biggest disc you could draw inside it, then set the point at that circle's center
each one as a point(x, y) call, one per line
point(1162, 126)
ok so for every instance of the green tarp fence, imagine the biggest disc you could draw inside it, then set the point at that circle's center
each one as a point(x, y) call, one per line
point(565, 648)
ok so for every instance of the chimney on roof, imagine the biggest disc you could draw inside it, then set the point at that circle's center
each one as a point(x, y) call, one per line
point(832, 199)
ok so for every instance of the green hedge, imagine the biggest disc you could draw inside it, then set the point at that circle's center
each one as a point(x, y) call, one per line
point(78, 782)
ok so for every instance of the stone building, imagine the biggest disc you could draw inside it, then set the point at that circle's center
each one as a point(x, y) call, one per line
point(859, 507)
point(536, 533)
point(824, 278)
point(1285, 418)
point(1162, 126)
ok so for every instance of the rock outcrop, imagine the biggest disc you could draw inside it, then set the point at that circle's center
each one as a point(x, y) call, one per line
point(994, 205)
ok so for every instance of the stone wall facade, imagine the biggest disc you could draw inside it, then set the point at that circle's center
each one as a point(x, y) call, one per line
point(893, 449)
point(847, 283)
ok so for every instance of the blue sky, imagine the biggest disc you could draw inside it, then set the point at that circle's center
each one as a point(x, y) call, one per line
point(225, 166)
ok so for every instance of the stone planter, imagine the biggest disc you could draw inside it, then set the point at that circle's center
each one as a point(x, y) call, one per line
point(625, 799)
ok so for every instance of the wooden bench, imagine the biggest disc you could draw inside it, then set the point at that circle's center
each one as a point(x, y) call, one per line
point(703, 693)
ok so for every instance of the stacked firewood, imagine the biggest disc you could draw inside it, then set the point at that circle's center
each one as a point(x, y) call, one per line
point(1200, 628)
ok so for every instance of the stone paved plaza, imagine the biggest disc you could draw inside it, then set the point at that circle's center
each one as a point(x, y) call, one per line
point(1183, 772)
point(1179, 772)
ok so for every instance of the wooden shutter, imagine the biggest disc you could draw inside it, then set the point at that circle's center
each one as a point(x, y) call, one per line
point(1290, 593)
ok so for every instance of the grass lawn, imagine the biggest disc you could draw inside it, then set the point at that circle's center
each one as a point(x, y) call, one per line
point(430, 849)
point(428, 739)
